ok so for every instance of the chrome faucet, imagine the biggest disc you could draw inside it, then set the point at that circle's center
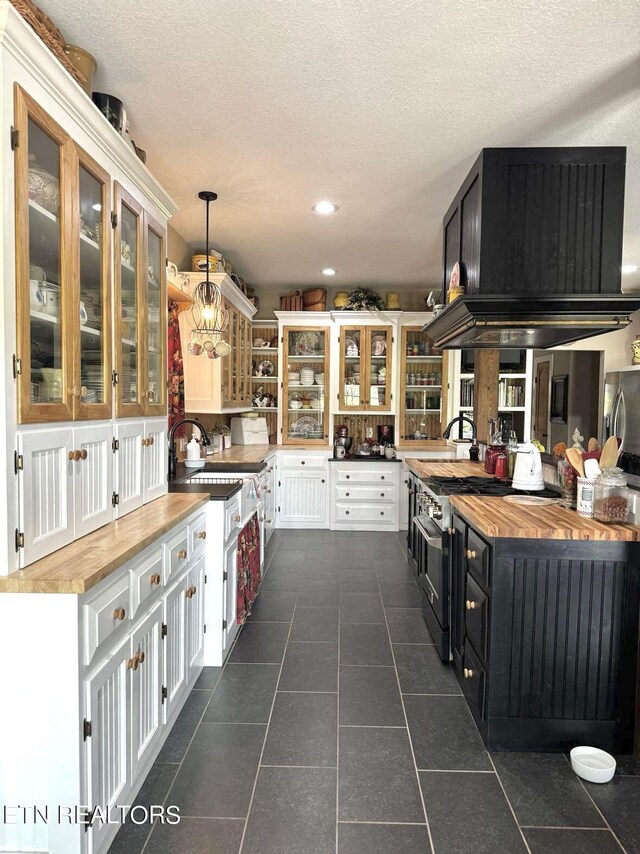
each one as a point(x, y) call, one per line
point(447, 429)
point(173, 459)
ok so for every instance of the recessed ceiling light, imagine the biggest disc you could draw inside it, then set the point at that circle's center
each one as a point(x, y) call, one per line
point(629, 268)
point(97, 206)
point(325, 208)
point(329, 271)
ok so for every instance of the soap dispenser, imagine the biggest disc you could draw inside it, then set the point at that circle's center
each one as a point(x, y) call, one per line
point(193, 449)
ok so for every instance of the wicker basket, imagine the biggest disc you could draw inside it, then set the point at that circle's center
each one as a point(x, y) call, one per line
point(314, 299)
point(50, 35)
point(291, 302)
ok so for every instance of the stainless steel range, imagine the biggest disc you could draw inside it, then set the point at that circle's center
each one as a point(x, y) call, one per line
point(430, 518)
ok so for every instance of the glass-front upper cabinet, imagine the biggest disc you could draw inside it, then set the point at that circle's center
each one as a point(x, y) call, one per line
point(423, 387)
point(155, 308)
point(92, 390)
point(305, 416)
point(129, 308)
point(243, 375)
point(365, 368)
point(44, 267)
point(231, 387)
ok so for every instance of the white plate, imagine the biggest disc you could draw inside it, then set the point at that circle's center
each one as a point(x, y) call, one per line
point(531, 500)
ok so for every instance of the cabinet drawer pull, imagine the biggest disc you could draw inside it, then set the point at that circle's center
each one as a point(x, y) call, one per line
point(468, 673)
point(471, 554)
point(182, 554)
point(346, 512)
point(381, 477)
point(470, 604)
point(302, 462)
point(237, 518)
point(119, 614)
point(348, 477)
point(382, 512)
point(269, 521)
point(155, 578)
point(202, 535)
point(347, 494)
point(382, 495)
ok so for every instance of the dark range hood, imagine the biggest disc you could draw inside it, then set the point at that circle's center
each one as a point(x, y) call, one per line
point(537, 234)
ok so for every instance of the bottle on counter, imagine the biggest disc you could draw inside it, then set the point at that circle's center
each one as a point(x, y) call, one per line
point(193, 448)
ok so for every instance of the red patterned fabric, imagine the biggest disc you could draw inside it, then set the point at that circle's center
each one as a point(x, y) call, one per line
point(248, 567)
point(175, 370)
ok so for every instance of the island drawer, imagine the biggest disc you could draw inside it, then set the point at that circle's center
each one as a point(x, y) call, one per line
point(476, 606)
point(478, 554)
point(197, 535)
point(473, 681)
point(365, 493)
point(177, 552)
point(105, 613)
point(146, 578)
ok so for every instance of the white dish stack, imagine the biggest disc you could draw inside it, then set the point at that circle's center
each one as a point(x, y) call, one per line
point(306, 376)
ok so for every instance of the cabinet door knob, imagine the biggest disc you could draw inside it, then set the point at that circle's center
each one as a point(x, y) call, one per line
point(84, 454)
point(322, 481)
point(144, 443)
point(74, 455)
point(76, 391)
point(269, 521)
point(150, 395)
point(237, 518)
point(119, 614)
point(151, 440)
point(470, 604)
point(451, 531)
point(155, 578)
point(468, 673)
point(132, 663)
point(140, 656)
point(471, 554)
point(202, 535)
point(182, 554)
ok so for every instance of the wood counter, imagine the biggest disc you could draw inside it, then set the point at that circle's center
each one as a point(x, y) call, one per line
point(495, 517)
point(257, 453)
point(446, 468)
point(82, 564)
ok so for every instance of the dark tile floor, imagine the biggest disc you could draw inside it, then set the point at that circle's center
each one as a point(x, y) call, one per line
point(335, 729)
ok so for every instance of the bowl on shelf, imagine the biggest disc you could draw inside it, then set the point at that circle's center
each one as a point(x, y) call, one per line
point(295, 404)
point(593, 764)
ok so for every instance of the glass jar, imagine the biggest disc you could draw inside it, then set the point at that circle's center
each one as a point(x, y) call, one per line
point(568, 478)
point(611, 496)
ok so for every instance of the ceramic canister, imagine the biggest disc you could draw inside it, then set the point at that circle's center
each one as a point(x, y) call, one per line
point(584, 504)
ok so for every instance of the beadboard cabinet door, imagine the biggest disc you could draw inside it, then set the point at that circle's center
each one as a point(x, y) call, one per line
point(154, 459)
point(92, 478)
point(129, 461)
point(46, 492)
point(146, 688)
point(107, 707)
point(229, 592)
point(303, 498)
point(195, 619)
point(175, 659)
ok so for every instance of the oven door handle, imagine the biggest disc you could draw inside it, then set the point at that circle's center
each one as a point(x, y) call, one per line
point(429, 582)
point(432, 534)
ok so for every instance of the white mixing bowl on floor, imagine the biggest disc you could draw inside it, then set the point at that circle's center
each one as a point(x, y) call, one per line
point(593, 764)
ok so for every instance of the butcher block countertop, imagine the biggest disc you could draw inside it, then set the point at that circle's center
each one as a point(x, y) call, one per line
point(446, 468)
point(495, 517)
point(79, 566)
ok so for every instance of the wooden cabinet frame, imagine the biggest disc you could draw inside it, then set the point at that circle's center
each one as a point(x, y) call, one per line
point(444, 390)
point(366, 334)
point(293, 440)
point(86, 411)
point(160, 408)
point(29, 411)
point(126, 409)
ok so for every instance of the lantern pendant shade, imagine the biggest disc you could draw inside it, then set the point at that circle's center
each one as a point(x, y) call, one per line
point(209, 317)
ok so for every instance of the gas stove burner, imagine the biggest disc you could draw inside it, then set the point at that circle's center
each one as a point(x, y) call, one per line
point(491, 486)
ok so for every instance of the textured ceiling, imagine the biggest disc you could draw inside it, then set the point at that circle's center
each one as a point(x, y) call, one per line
point(378, 105)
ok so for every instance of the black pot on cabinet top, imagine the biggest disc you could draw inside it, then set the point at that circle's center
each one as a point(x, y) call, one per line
point(110, 107)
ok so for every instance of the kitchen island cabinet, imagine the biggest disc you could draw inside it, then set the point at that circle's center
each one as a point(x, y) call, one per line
point(544, 628)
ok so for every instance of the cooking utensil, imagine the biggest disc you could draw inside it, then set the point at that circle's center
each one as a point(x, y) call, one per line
point(593, 445)
point(609, 455)
point(575, 458)
point(591, 469)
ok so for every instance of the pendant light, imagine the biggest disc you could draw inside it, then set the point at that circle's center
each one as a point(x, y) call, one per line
point(209, 317)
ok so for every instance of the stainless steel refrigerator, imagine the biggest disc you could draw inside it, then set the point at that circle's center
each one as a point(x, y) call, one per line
point(622, 417)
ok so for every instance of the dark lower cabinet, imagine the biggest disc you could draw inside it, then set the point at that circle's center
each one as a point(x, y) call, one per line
point(545, 639)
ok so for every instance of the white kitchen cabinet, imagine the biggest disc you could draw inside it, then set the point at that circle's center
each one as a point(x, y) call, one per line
point(65, 486)
point(108, 739)
point(175, 659)
point(145, 676)
point(129, 463)
point(365, 496)
point(92, 478)
point(302, 491)
point(195, 620)
point(229, 587)
point(154, 459)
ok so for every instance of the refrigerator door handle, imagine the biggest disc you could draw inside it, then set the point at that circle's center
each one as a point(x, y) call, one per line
point(618, 416)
